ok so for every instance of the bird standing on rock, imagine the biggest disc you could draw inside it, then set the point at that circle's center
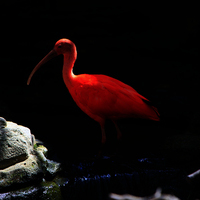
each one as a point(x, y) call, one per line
point(99, 96)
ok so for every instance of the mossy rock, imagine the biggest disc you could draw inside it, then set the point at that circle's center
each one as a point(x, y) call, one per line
point(22, 160)
point(51, 191)
point(44, 190)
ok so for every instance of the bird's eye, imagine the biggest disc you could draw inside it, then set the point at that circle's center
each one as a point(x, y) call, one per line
point(59, 46)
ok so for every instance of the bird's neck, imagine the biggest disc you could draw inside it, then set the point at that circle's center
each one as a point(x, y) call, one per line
point(68, 75)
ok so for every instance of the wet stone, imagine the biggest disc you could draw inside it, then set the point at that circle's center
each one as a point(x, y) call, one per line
point(22, 161)
point(15, 144)
point(3, 123)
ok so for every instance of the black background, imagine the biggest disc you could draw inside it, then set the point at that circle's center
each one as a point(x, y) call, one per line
point(153, 48)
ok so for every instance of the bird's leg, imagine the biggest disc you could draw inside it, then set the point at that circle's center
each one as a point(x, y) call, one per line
point(118, 146)
point(103, 139)
point(119, 134)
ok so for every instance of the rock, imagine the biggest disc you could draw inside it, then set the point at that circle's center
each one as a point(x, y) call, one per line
point(44, 190)
point(16, 143)
point(157, 196)
point(3, 122)
point(194, 177)
point(21, 173)
point(22, 161)
point(50, 167)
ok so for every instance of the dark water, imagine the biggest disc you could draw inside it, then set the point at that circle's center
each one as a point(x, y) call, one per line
point(156, 51)
point(96, 180)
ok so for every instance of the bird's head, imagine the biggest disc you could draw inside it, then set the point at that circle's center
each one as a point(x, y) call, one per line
point(62, 46)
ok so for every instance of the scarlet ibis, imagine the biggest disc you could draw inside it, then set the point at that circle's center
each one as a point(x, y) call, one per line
point(99, 96)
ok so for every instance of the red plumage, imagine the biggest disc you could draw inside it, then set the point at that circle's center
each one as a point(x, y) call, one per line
point(100, 96)
point(104, 97)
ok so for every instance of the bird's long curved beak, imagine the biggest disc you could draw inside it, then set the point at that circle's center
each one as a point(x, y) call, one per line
point(48, 57)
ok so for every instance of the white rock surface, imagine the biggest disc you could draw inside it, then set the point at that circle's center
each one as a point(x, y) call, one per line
point(15, 142)
point(21, 161)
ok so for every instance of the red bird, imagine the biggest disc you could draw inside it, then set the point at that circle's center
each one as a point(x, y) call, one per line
point(99, 96)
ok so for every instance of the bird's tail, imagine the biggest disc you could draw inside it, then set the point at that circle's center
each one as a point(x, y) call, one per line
point(153, 110)
point(157, 116)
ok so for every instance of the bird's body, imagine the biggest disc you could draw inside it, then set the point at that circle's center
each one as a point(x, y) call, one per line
point(103, 97)
point(100, 96)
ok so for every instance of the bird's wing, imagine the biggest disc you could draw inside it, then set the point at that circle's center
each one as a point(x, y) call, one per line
point(121, 87)
point(131, 93)
point(93, 96)
point(107, 97)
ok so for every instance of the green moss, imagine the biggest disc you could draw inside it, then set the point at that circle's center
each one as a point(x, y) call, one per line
point(43, 191)
point(51, 190)
point(33, 164)
point(35, 146)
